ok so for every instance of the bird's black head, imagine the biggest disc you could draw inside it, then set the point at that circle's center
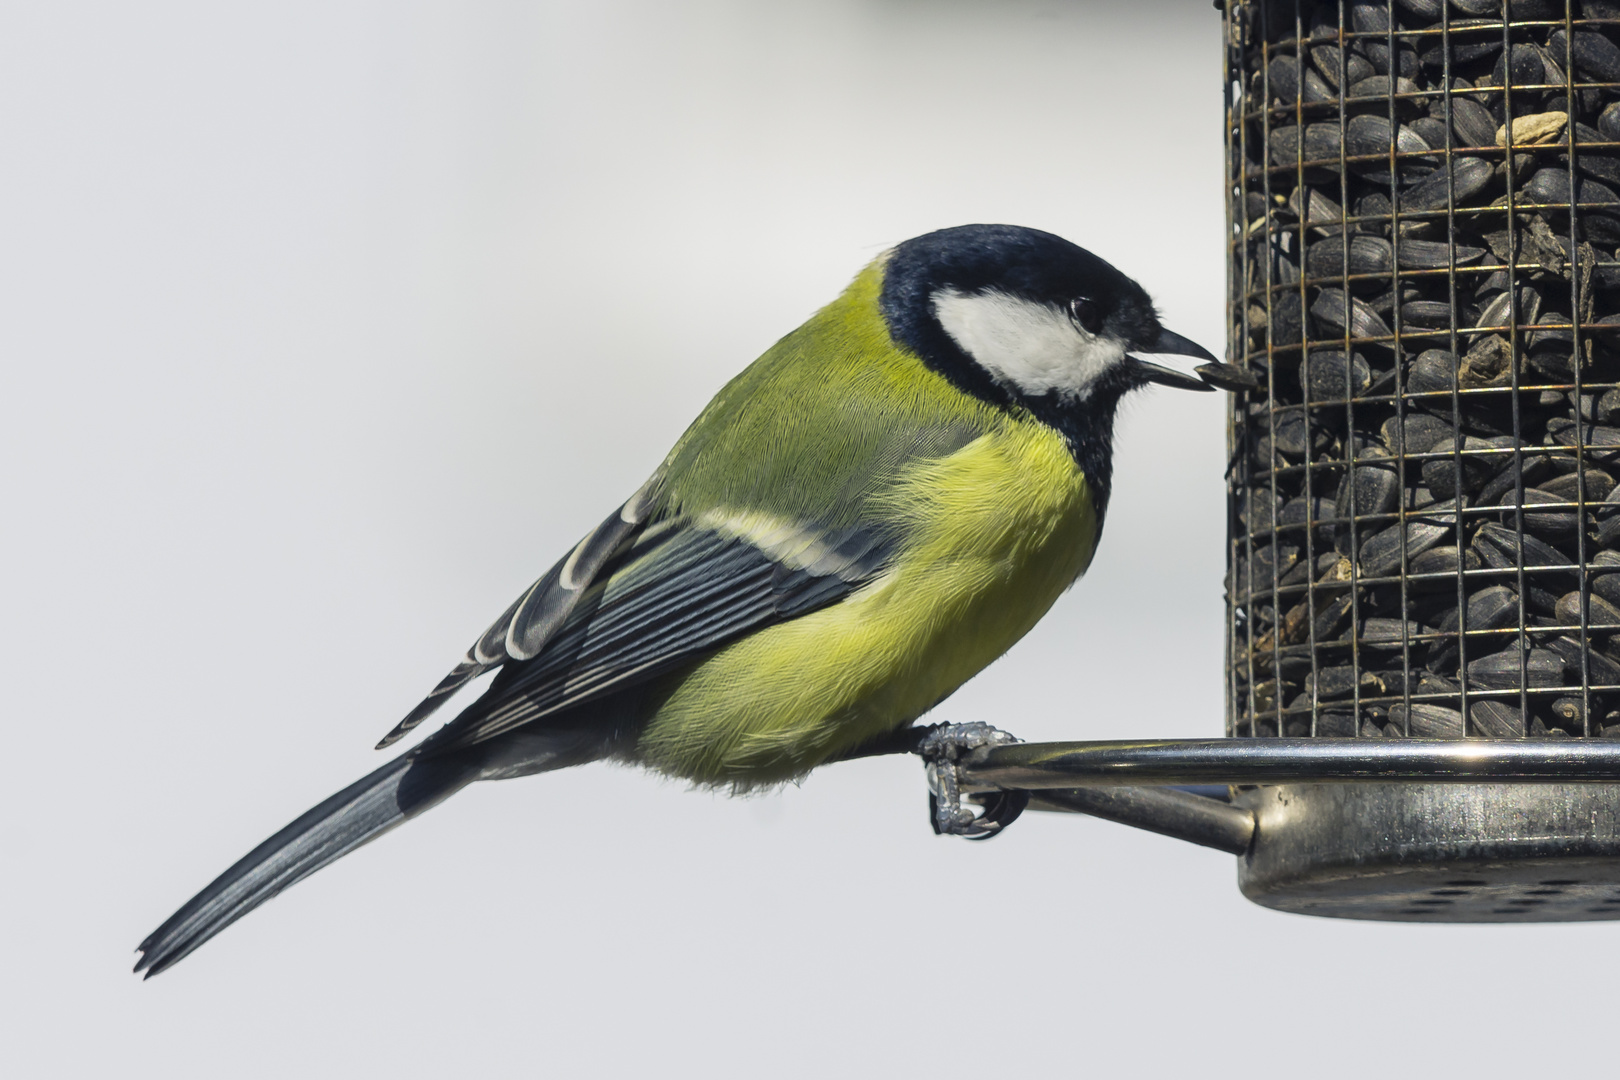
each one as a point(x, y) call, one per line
point(1021, 317)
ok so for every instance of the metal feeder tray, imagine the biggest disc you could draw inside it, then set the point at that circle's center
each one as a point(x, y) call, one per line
point(1419, 830)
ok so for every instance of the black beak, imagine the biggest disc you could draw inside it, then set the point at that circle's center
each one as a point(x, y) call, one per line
point(1169, 344)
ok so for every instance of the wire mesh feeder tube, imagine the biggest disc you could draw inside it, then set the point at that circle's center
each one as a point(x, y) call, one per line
point(1424, 515)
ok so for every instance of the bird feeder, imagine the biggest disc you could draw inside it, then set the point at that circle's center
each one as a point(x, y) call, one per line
point(1423, 590)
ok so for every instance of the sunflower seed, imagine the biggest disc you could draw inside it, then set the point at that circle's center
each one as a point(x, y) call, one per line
point(1331, 378)
point(1442, 473)
point(1369, 135)
point(1377, 87)
point(1385, 632)
point(1568, 713)
point(1505, 549)
point(1341, 682)
point(1510, 477)
point(1523, 65)
point(1292, 433)
point(1303, 513)
point(1599, 441)
point(1466, 47)
point(1286, 86)
point(1427, 721)
point(1368, 255)
point(1608, 587)
point(1328, 61)
point(1381, 554)
point(1602, 670)
point(1429, 314)
point(1368, 489)
point(1502, 309)
point(1414, 433)
point(1426, 255)
point(1608, 532)
point(1362, 321)
point(1288, 324)
point(1594, 54)
point(1554, 525)
point(1431, 130)
point(1433, 372)
point(1551, 187)
point(1472, 122)
point(1493, 608)
point(1437, 560)
point(1467, 178)
point(1496, 719)
point(1599, 611)
point(1377, 53)
point(1228, 377)
point(1322, 211)
point(1515, 668)
point(1590, 485)
point(1321, 145)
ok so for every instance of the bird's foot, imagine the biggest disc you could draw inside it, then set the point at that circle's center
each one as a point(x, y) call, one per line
point(942, 748)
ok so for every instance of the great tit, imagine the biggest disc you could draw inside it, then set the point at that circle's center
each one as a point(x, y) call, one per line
point(874, 510)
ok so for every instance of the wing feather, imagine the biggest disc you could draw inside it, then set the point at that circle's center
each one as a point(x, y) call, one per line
point(524, 628)
point(691, 591)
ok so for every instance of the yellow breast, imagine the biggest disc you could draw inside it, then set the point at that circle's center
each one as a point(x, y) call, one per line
point(998, 530)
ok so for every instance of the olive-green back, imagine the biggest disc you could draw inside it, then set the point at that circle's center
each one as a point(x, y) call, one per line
point(822, 422)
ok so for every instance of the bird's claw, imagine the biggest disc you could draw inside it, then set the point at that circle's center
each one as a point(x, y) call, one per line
point(942, 748)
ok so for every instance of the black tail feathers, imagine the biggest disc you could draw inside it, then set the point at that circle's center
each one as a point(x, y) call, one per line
point(365, 809)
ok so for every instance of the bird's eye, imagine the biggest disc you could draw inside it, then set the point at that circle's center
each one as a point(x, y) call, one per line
point(1087, 314)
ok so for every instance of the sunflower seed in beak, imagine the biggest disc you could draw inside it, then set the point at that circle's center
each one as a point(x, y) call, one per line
point(1227, 377)
point(1169, 344)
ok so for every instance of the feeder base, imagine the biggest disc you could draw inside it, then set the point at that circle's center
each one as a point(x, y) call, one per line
point(1435, 852)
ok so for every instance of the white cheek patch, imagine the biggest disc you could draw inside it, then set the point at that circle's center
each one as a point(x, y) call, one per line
point(1033, 347)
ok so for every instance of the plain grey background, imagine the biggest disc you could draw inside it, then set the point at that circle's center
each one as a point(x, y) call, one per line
point(328, 326)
